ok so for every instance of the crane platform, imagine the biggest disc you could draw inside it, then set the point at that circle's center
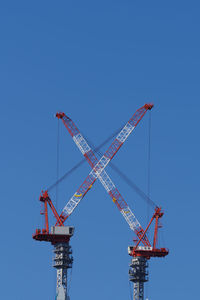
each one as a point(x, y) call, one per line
point(58, 234)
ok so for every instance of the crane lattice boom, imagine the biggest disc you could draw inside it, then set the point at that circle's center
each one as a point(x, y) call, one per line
point(99, 172)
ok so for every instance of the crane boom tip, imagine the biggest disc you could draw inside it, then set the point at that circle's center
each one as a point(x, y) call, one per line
point(149, 106)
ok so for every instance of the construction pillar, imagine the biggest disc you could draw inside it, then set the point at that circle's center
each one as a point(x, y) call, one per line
point(138, 275)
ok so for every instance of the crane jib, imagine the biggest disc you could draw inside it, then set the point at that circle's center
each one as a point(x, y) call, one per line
point(98, 167)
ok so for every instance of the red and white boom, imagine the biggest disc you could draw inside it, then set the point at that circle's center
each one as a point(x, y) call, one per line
point(99, 172)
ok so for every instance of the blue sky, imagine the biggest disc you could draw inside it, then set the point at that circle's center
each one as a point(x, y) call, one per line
point(98, 61)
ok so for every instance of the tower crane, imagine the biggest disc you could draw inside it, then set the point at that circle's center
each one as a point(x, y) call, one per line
point(140, 254)
point(60, 235)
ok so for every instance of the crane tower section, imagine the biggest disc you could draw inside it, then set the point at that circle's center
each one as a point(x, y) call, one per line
point(62, 262)
point(138, 275)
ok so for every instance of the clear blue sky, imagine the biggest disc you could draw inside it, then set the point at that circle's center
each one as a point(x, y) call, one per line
point(98, 61)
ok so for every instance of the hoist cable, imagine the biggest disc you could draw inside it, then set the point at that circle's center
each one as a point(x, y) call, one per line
point(57, 161)
point(149, 163)
point(149, 156)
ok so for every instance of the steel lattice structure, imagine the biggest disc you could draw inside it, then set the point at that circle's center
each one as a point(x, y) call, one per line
point(60, 235)
point(62, 262)
point(138, 275)
point(99, 172)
